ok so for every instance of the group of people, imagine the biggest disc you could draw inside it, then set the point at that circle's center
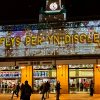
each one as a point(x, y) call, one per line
point(45, 89)
point(25, 89)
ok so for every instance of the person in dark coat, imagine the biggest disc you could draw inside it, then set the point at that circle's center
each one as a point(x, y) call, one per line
point(57, 87)
point(47, 89)
point(14, 91)
point(26, 91)
point(22, 92)
point(91, 88)
point(17, 89)
point(43, 90)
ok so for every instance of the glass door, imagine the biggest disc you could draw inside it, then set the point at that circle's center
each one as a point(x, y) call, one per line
point(79, 85)
point(80, 77)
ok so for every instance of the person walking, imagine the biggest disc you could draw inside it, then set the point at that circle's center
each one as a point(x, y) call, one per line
point(17, 89)
point(43, 90)
point(47, 89)
point(57, 87)
point(13, 91)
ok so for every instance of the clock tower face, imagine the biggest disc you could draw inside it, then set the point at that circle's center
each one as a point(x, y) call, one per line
point(52, 5)
point(53, 12)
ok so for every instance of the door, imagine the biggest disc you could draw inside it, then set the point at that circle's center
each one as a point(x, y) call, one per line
point(79, 85)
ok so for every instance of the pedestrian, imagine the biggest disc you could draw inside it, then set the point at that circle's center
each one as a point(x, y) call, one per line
point(22, 92)
point(47, 89)
point(91, 88)
point(17, 89)
point(6, 87)
point(27, 91)
point(43, 90)
point(13, 91)
point(57, 87)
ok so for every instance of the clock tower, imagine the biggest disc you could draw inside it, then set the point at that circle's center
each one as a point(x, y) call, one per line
point(54, 11)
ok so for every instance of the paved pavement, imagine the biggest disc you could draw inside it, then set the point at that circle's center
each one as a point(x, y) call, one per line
point(52, 97)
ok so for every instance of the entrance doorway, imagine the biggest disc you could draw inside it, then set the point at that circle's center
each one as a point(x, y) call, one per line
point(80, 85)
point(80, 77)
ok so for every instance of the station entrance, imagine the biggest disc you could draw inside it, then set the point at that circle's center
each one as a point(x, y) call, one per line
point(74, 75)
point(80, 76)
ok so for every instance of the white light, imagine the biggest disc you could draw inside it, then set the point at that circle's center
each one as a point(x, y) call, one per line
point(59, 66)
point(98, 65)
point(22, 67)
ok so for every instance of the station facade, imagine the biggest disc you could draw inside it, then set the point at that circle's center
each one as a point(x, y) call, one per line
point(51, 50)
point(69, 54)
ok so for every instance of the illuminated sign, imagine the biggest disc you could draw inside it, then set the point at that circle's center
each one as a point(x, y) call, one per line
point(42, 39)
point(55, 39)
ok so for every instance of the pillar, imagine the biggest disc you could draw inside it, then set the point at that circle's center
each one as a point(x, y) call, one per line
point(26, 74)
point(96, 79)
point(62, 76)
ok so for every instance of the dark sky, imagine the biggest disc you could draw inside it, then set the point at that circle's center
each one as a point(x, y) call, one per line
point(29, 9)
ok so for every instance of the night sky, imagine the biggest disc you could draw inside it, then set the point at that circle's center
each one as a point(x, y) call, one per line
point(29, 9)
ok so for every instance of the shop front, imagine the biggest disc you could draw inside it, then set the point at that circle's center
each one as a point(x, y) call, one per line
point(44, 71)
point(74, 75)
point(80, 76)
point(10, 75)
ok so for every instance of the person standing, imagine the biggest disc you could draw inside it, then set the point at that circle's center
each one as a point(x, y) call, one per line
point(6, 87)
point(27, 91)
point(91, 88)
point(57, 90)
point(22, 92)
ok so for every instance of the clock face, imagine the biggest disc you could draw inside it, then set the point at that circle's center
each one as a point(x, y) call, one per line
point(53, 6)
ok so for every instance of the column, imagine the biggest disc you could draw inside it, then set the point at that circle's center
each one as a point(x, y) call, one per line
point(62, 76)
point(26, 74)
point(96, 79)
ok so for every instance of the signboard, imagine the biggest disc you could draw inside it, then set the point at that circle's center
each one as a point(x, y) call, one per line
point(65, 38)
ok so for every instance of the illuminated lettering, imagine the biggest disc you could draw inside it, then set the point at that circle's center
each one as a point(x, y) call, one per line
point(33, 40)
point(2, 39)
point(12, 41)
point(82, 38)
point(59, 39)
point(96, 38)
point(27, 40)
point(50, 39)
point(8, 42)
point(17, 41)
point(89, 38)
point(75, 38)
point(67, 38)
point(56, 39)
point(39, 40)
